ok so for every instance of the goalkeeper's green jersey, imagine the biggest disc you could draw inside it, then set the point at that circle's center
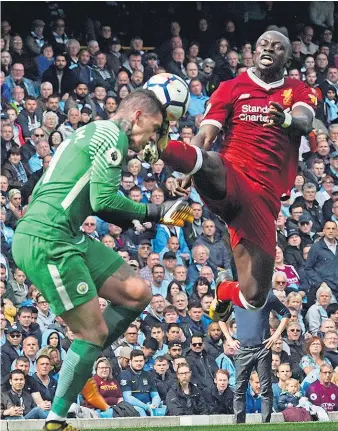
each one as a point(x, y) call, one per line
point(83, 178)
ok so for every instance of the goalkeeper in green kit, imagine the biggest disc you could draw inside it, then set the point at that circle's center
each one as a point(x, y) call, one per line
point(69, 268)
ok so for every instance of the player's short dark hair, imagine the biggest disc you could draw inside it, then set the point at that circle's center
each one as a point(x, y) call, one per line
point(135, 353)
point(151, 343)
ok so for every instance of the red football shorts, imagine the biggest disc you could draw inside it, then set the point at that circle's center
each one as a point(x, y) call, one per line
point(248, 209)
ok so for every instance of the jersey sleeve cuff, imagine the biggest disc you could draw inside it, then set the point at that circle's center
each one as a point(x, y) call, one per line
point(212, 123)
point(305, 106)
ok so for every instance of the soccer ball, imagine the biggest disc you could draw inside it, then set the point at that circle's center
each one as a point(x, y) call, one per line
point(172, 91)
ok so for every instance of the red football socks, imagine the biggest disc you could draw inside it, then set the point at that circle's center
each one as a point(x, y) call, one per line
point(229, 290)
point(180, 156)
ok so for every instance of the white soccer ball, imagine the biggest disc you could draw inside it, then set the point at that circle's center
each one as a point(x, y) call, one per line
point(172, 91)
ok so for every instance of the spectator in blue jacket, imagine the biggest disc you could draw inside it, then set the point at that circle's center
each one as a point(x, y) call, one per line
point(253, 395)
point(164, 233)
point(17, 79)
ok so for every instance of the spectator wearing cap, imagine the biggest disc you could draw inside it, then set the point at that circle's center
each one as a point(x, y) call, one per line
point(115, 58)
point(149, 184)
point(322, 262)
point(138, 387)
point(306, 235)
point(149, 348)
point(328, 205)
point(11, 350)
point(60, 76)
point(35, 40)
point(151, 65)
point(121, 361)
point(158, 284)
point(311, 206)
point(197, 99)
point(169, 263)
point(174, 347)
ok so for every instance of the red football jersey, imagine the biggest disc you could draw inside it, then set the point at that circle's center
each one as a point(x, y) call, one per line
point(266, 155)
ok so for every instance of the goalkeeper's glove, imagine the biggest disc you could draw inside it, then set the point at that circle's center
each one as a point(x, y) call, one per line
point(170, 213)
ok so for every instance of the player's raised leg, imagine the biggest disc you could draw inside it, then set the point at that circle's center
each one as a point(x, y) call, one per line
point(255, 269)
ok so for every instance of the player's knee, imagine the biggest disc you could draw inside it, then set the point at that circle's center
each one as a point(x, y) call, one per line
point(139, 291)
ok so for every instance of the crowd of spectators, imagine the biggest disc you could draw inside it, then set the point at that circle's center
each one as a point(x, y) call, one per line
point(173, 355)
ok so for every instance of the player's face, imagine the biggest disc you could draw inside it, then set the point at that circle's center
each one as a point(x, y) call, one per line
point(145, 129)
point(272, 52)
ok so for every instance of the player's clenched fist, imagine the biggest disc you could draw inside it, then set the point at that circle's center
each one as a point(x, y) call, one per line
point(277, 116)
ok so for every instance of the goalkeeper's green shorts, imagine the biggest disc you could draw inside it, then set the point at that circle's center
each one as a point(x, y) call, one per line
point(67, 274)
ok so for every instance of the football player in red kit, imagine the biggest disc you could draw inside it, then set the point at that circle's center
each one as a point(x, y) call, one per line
point(266, 115)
